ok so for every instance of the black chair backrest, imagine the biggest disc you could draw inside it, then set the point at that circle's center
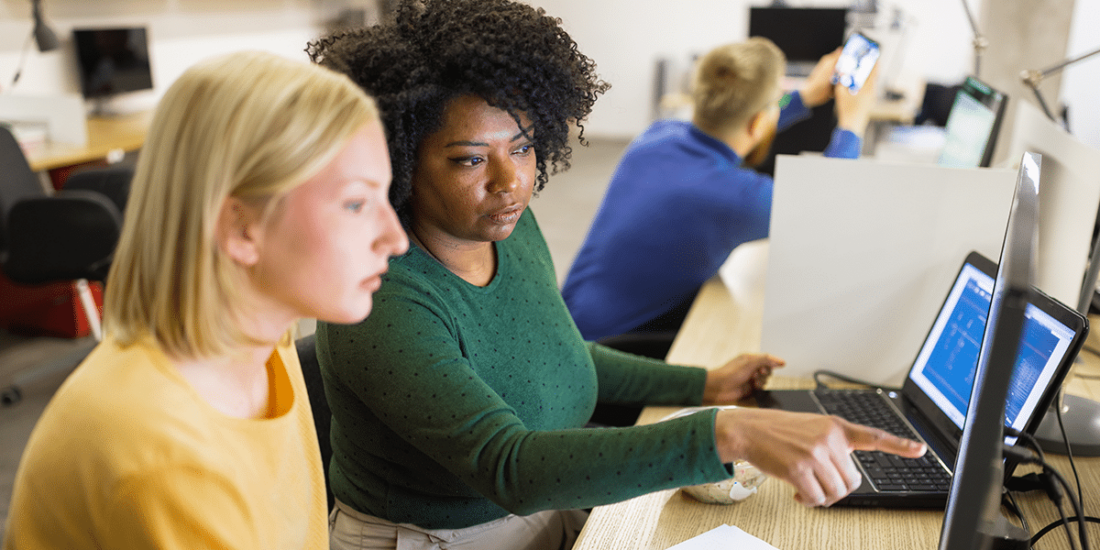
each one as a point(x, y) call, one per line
point(17, 180)
point(72, 235)
point(322, 415)
point(111, 181)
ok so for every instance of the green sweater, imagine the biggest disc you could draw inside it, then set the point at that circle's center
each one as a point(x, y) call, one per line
point(454, 405)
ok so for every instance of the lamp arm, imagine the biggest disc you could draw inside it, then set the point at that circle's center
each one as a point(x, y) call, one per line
point(1058, 67)
point(980, 42)
point(1033, 77)
point(970, 18)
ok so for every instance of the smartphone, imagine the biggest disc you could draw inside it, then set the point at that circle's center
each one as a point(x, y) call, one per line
point(856, 61)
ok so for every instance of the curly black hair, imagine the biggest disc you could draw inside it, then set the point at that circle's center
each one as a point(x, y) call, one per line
point(515, 57)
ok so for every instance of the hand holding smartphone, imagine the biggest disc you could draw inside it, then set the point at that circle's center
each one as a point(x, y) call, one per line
point(856, 61)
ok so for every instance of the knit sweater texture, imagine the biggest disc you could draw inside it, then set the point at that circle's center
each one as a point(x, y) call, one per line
point(454, 405)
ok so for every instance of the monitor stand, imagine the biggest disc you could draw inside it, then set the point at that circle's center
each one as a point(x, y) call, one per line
point(101, 107)
point(115, 106)
point(1081, 418)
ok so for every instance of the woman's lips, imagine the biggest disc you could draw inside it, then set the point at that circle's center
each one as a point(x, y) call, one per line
point(374, 282)
point(508, 215)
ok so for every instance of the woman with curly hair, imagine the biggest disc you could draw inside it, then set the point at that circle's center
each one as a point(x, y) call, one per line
point(458, 404)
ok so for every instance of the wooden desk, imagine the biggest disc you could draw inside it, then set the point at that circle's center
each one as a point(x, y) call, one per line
point(105, 134)
point(717, 329)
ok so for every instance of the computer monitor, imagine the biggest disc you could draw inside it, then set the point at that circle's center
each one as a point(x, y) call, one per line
point(973, 518)
point(1071, 193)
point(804, 34)
point(112, 61)
point(972, 125)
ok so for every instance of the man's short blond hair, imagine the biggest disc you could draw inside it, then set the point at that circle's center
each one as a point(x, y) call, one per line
point(734, 82)
point(250, 125)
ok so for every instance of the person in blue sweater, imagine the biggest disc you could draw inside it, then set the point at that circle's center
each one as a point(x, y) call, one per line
point(683, 196)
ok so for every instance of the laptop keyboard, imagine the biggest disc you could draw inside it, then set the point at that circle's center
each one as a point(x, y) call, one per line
point(886, 471)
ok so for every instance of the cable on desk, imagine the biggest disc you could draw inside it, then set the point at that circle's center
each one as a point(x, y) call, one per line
point(1065, 523)
point(845, 378)
point(1065, 440)
point(1055, 524)
point(1045, 480)
point(1008, 500)
point(1055, 485)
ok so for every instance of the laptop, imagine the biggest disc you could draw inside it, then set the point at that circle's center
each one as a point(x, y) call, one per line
point(931, 405)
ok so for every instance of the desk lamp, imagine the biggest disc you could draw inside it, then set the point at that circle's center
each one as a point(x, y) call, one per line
point(43, 34)
point(980, 42)
point(1081, 416)
point(1035, 77)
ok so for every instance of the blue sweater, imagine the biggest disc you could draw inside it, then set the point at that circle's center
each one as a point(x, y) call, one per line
point(678, 204)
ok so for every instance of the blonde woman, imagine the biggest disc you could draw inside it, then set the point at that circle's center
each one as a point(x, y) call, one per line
point(260, 197)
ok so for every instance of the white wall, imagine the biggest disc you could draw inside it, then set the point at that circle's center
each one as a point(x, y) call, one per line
point(1081, 81)
point(625, 37)
point(181, 32)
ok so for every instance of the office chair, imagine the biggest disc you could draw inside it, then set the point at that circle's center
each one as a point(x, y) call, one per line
point(322, 415)
point(67, 236)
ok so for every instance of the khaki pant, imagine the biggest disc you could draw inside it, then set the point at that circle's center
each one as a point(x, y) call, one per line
point(549, 530)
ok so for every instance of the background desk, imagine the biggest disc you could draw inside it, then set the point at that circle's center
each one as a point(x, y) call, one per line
point(124, 133)
point(718, 328)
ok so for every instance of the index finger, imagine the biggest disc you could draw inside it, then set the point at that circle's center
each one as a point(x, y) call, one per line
point(866, 438)
point(771, 361)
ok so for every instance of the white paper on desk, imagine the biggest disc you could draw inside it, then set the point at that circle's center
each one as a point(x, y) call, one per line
point(861, 255)
point(725, 537)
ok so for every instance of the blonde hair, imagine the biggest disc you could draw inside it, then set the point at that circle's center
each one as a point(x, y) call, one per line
point(734, 82)
point(250, 125)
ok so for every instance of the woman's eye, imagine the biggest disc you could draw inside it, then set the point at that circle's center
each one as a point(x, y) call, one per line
point(469, 161)
point(526, 149)
point(354, 206)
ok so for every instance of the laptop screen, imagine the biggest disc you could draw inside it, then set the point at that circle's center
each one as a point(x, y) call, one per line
point(947, 362)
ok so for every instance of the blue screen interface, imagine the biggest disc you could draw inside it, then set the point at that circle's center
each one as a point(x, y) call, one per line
point(948, 361)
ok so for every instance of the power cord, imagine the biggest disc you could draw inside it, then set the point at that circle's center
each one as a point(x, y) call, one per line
point(1053, 525)
point(1008, 500)
point(1065, 439)
point(22, 59)
point(1055, 486)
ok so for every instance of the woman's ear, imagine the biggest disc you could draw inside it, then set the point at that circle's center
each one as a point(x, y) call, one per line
point(238, 231)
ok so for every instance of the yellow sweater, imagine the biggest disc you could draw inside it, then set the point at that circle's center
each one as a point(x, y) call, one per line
point(128, 456)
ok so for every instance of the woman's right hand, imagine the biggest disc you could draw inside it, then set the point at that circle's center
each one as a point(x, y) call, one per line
point(812, 452)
